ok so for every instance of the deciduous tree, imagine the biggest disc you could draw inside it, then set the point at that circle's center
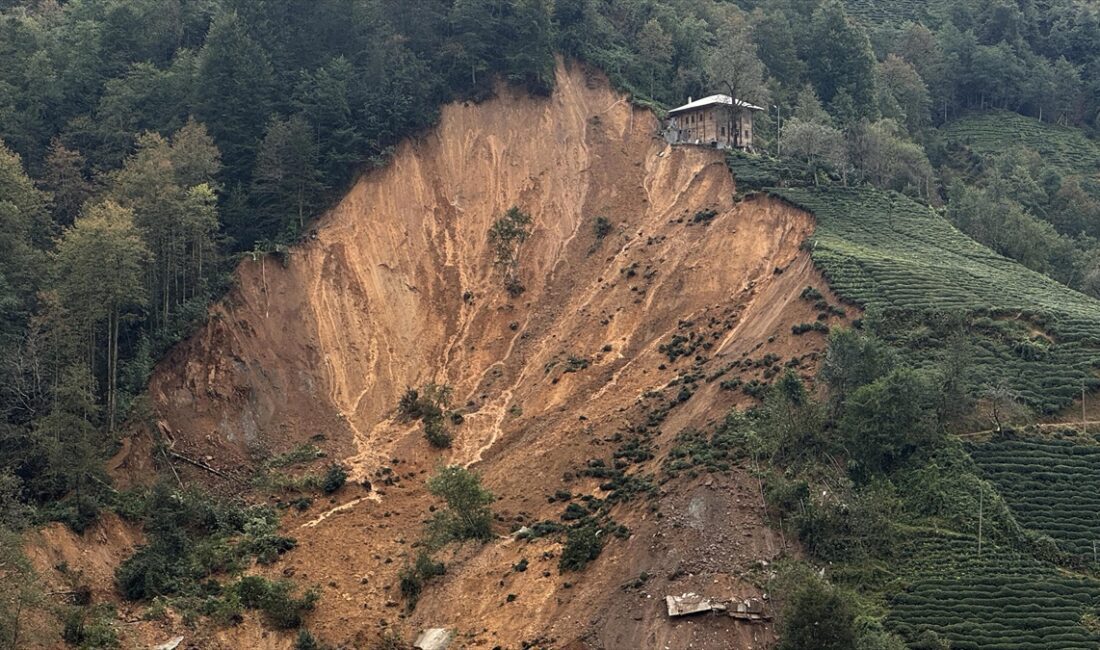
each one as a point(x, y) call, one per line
point(101, 283)
point(467, 515)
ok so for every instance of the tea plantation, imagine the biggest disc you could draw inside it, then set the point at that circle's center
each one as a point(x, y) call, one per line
point(996, 131)
point(918, 277)
point(1052, 486)
point(1001, 599)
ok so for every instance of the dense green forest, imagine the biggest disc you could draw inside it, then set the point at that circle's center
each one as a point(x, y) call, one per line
point(145, 144)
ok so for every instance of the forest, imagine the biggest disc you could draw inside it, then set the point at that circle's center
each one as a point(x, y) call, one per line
point(147, 145)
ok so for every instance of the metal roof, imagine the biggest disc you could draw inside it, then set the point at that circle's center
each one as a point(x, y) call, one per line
point(710, 101)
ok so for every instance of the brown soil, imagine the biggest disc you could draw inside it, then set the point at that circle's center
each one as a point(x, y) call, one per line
point(396, 288)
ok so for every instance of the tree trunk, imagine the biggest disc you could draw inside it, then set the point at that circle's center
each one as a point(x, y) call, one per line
point(301, 210)
point(112, 367)
point(166, 288)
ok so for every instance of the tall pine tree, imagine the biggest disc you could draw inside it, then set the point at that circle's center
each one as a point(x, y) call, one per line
point(233, 97)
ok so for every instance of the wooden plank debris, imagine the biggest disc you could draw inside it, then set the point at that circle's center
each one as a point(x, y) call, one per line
point(692, 603)
point(170, 644)
point(434, 638)
point(750, 609)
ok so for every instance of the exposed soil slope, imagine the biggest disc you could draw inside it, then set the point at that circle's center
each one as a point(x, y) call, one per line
point(396, 288)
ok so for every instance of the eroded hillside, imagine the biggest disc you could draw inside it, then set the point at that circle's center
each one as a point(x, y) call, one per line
point(396, 288)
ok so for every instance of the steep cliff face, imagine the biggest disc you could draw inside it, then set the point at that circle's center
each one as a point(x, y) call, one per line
point(396, 287)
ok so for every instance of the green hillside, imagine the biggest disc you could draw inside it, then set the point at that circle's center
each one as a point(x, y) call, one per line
point(922, 282)
point(996, 131)
point(910, 267)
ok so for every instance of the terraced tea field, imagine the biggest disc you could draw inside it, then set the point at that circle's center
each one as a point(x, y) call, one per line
point(999, 600)
point(1052, 486)
point(912, 269)
point(996, 131)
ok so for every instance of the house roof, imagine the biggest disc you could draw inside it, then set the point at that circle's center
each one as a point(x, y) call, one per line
point(712, 100)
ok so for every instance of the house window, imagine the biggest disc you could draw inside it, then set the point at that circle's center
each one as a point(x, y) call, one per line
point(723, 131)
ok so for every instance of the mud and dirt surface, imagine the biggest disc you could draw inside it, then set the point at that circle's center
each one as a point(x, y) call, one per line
point(396, 287)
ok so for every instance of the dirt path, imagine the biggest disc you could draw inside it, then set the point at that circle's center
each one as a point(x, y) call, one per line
point(1042, 426)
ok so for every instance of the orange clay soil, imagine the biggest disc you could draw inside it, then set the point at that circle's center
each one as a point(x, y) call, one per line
point(396, 287)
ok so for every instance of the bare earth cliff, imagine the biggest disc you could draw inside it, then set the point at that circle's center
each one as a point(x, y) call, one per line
point(397, 288)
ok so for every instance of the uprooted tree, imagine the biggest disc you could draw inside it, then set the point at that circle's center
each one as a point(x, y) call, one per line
point(430, 404)
point(505, 238)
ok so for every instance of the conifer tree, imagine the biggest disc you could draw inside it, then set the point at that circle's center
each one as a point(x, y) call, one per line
point(67, 180)
point(24, 231)
point(233, 93)
point(842, 62)
point(287, 182)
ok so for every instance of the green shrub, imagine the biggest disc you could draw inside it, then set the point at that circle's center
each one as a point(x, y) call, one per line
point(785, 496)
point(811, 294)
point(602, 227)
point(334, 479)
point(583, 543)
point(467, 515)
point(506, 235)
point(430, 406)
point(541, 529)
point(573, 512)
point(575, 364)
point(816, 326)
point(413, 576)
point(190, 537)
point(871, 636)
point(301, 454)
point(409, 405)
point(887, 420)
point(276, 600)
point(704, 216)
point(852, 527)
point(306, 641)
point(262, 541)
point(852, 360)
point(90, 628)
point(435, 430)
point(77, 512)
point(818, 617)
point(147, 573)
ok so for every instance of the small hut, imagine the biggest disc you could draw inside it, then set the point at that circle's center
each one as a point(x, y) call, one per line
point(716, 121)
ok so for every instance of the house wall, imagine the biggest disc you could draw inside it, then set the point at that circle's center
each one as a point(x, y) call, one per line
point(714, 124)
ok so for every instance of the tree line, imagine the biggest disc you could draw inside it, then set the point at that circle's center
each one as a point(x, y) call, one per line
point(143, 144)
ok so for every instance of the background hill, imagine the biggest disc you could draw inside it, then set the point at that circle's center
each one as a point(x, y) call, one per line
point(244, 323)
